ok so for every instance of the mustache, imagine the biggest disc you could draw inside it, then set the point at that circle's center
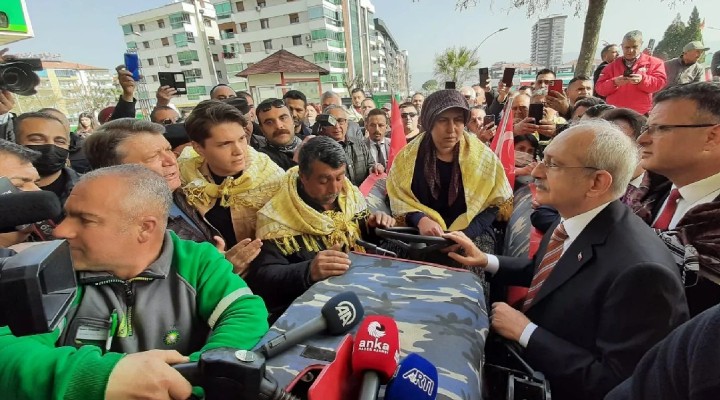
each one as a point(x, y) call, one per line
point(282, 131)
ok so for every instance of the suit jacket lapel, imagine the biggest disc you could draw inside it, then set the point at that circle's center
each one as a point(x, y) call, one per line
point(581, 250)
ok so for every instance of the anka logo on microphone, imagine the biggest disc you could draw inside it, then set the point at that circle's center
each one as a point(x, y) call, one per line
point(377, 331)
point(346, 312)
point(419, 379)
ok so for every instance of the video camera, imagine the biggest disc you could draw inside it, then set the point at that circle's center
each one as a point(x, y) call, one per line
point(18, 75)
point(321, 121)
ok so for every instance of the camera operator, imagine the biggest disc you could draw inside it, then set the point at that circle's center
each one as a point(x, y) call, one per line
point(16, 165)
point(6, 104)
point(141, 290)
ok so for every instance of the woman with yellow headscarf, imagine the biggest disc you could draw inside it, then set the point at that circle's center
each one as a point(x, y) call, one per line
point(447, 180)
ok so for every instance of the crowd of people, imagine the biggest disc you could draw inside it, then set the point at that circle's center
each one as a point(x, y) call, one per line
point(194, 232)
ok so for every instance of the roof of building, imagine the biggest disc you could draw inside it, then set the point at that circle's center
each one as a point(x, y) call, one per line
point(69, 65)
point(282, 61)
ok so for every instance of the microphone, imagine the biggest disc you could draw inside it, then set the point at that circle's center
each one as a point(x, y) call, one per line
point(415, 378)
point(375, 353)
point(340, 314)
point(21, 208)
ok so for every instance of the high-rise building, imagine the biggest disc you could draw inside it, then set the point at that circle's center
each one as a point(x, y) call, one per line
point(548, 38)
point(391, 70)
point(182, 37)
point(338, 35)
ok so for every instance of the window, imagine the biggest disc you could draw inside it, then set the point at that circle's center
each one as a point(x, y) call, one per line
point(154, 78)
point(247, 48)
point(207, 22)
point(127, 29)
point(146, 45)
point(178, 19)
point(141, 27)
point(211, 40)
point(180, 39)
point(161, 23)
point(150, 62)
point(190, 37)
point(294, 18)
point(216, 58)
point(264, 23)
point(297, 40)
point(219, 74)
point(239, 6)
point(261, 3)
point(223, 10)
point(267, 44)
point(165, 41)
point(188, 56)
point(243, 27)
point(132, 45)
point(169, 59)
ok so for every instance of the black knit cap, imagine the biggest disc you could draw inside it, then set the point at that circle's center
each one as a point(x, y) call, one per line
point(439, 102)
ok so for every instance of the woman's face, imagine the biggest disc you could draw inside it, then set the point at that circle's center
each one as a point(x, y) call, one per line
point(525, 147)
point(85, 121)
point(448, 129)
point(311, 113)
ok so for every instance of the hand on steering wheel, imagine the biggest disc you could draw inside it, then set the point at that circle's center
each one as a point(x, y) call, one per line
point(428, 227)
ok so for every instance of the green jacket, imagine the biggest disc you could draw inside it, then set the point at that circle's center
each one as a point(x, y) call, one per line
point(188, 293)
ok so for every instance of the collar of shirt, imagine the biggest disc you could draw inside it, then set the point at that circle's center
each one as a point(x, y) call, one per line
point(694, 194)
point(637, 181)
point(575, 225)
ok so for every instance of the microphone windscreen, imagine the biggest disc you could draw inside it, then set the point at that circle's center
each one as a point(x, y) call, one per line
point(342, 313)
point(415, 378)
point(22, 208)
point(377, 346)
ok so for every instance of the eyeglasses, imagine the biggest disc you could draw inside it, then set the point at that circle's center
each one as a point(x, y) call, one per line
point(266, 105)
point(653, 129)
point(167, 121)
point(552, 165)
point(406, 115)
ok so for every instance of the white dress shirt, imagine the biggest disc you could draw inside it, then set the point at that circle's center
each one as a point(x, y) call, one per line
point(574, 227)
point(374, 149)
point(694, 194)
point(637, 181)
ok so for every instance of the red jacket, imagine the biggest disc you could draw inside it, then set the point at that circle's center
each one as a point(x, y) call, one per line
point(636, 97)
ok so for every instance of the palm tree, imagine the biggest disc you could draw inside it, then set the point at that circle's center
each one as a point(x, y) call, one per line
point(456, 64)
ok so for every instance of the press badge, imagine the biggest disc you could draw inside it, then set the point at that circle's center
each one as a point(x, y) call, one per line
point(93, 332)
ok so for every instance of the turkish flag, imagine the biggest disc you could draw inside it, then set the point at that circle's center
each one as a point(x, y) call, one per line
point(503, 144)
point(397, 136)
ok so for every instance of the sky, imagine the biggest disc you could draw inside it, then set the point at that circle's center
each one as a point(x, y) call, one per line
point(87, 31)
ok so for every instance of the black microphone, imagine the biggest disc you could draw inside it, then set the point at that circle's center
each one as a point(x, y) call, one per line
point(340, 314)
point(23, 208)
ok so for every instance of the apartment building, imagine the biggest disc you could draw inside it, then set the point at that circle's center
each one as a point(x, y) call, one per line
point(548, 39)
point(391, 71)
point(182, 36)
point(71, 88)
point(337, 35)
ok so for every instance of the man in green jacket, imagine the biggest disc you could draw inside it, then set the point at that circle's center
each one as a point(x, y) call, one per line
point(142, 290)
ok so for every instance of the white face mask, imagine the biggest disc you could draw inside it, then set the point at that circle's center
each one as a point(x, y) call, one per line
point(522, 159)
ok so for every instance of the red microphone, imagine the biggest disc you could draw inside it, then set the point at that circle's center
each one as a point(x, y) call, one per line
point(376, 353)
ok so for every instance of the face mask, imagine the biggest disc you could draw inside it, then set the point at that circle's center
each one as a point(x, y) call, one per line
point(522, 159)
point(52, 158)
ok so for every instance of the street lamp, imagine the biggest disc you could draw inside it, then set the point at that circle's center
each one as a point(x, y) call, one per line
point(488, 37)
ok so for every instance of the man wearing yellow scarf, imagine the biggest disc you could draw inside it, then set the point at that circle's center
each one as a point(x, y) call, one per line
point(316, 215)
point(226, 180)
point(446, 179)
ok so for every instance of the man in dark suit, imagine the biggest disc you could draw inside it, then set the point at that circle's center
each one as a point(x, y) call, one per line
point(602, 288)
point(376, 126)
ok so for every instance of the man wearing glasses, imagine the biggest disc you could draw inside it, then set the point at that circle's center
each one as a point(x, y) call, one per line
point(410, 118)
point(602, 288)
point(681, 141)
point(164, 115)
point(278, 127)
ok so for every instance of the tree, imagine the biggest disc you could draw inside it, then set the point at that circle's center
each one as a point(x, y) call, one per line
point(357, 82)
point(430, 86)
point(694, 29)
point(673, 39)
point(456, 64)
point(591, 31)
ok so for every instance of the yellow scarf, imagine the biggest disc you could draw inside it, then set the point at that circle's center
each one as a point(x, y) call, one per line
point(484, 182)
point(258, 183)
point(287, 217)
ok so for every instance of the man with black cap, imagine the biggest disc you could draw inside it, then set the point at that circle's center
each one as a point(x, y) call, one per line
point(686, 69)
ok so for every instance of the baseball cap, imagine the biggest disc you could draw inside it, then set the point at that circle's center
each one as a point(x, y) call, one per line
point(695, 45)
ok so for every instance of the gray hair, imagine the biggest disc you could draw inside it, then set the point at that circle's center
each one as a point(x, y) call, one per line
point(470, 91)
point(634, 36)
point(330, 94)
point(26, 155)
point(146, 191)
point(334, 107)
point(101, 148)
point(611, 150)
